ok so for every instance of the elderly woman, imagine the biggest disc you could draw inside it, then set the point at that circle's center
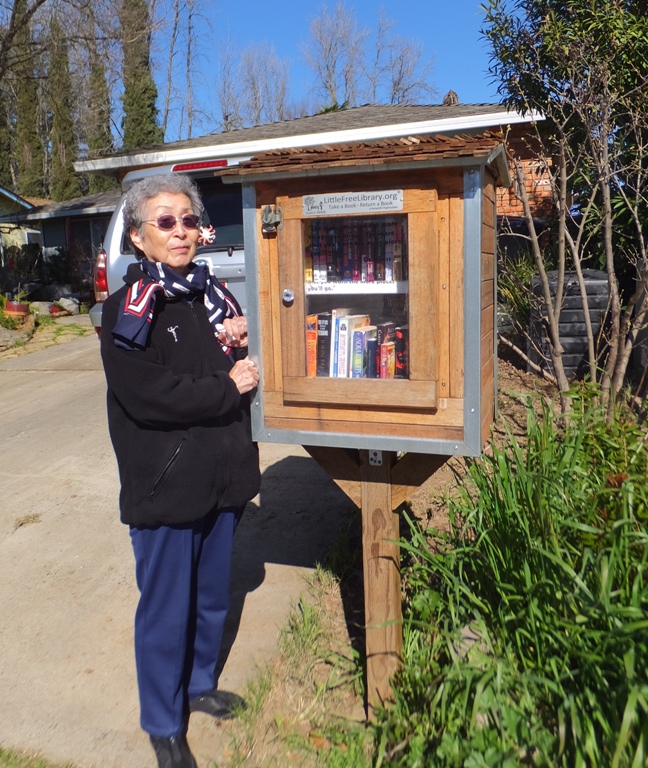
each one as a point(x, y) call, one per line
point(173, 348)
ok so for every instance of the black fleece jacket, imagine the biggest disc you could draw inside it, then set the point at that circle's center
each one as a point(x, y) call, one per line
point(180, 429)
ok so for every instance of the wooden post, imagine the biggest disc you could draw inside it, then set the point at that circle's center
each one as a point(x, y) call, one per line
point(382, 584)
point(378, 488)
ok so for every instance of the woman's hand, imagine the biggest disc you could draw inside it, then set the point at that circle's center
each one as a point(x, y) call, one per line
point(245, 375)
point(235, 333)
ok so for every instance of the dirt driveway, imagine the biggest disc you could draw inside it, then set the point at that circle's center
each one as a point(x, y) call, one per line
point(67, 593)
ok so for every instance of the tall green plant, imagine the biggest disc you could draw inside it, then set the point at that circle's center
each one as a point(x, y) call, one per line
point(29, 146)
point(64, 183)
point(139, 123)
point(526, 635)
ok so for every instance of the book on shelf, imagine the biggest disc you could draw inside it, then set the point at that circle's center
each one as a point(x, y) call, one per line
point(330, 241)
point(323, 344)
point(346, 326)
point(397, 252)
point(323, 252)
point(368, 244)
point(385, 331)
point(389, 250)
point(373, 371)
point(356, 252)
point(314, 234)
point(388, 360)
point(360, 352)
point(311, 345)
point(402, 351)
point(347, 258)
point(308, 255)
point(336, 314)
point(379, 252)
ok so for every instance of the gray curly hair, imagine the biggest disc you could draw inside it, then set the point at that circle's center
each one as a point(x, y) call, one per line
point(151, 186)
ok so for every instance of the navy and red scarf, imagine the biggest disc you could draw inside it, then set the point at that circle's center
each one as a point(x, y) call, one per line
point(133, 327)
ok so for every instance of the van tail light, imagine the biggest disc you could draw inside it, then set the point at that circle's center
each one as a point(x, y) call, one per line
point(100, 277)
point(201, 165)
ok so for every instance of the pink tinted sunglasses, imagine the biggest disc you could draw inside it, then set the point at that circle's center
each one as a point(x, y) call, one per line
point(167, 221)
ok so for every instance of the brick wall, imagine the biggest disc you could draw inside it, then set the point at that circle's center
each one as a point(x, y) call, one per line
point(538, 186)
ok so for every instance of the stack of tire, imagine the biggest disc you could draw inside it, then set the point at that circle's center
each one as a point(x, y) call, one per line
point(572, 328)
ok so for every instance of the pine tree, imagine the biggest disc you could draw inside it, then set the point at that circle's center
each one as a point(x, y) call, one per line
point(100, 140)
point(6, 176)
point(29, 147)
point(64, 183)
point(139, 123)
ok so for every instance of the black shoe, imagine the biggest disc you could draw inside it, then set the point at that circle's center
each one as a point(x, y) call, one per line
point(173, 752)
point(222, 705)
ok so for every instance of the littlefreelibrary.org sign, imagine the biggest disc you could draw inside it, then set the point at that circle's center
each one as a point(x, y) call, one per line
point(341, 203)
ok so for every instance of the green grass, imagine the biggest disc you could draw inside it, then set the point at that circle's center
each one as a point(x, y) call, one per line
point(11, 759)
point(8, 322)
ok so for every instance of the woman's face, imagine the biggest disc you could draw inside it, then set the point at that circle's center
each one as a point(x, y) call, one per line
point(175, 247)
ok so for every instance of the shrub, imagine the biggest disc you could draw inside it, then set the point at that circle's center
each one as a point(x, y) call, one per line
point(526, 629)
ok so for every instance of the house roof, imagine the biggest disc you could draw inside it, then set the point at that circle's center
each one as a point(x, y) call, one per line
point(357, 124)
point(424, 150)
point(102, 202)
point(25, 203)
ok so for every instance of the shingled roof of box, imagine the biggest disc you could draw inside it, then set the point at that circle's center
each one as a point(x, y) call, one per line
point(411, 148)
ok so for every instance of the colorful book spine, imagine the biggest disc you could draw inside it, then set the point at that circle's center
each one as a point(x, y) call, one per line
point(356, 252)
point(385, 331)
point(368, 254)
point(339, 251)
point(363, 253)
point(323, 253)
point(360, 351)
point(315, 250)
point(379, 251)
point(398, 252)
point(388, 360)
point(389, 250)
point(336, 314)
point(402, 351)
point(347, 258)
point(308, 254)
point(311, 345)
point(373, 372)
point(323, 344)
point(331, 255)
point(345, 342)
point(342, 348)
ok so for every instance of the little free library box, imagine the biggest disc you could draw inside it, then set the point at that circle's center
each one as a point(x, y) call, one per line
point(371, 299)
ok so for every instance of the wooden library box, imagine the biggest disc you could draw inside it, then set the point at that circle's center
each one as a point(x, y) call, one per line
point(371, 292)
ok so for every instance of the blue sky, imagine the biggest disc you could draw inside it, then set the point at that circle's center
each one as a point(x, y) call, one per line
point(449, 32)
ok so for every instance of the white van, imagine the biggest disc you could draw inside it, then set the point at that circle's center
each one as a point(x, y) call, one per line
point(225, 257)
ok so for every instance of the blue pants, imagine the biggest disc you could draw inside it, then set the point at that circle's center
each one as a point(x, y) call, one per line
point(183, 574)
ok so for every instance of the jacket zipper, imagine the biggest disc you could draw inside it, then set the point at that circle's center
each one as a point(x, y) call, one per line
point(202, 349)
point(166, 469)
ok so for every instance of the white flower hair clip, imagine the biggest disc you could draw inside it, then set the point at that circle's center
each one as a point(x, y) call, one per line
point(207, 235)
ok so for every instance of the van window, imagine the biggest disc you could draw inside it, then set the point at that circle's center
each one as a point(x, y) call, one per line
point(223, 210)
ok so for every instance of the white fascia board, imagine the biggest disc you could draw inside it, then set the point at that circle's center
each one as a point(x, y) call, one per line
point(63, 214)
point(251, 148)
point(18, 218)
